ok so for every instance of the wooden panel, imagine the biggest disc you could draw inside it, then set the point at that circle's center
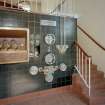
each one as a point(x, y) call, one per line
point(12, 33)
point(13, 56)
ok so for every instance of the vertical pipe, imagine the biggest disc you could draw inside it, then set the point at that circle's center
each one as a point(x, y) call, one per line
point(36, 6)
point(31, 6)
point(11, 3)
point(64, 34)
point(18, 4)
point(89, 76)
point(4, 3)
point(61, 23)
point(72, 7)
point(47, 6)
point(61, 8)
point(56, 8)
point(24, 2)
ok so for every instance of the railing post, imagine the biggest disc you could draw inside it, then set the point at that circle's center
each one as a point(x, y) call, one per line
point(85, 74)
point(89, 76)
point(79, 63)
point(77, 56)
point(82, 63)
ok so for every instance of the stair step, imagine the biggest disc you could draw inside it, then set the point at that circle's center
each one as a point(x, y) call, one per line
point(94, 66)
point(97, 72)
point(97, 77)
point(93, 70)
point(98, 92)
point(97, 100)
point(96, 82)
point(97, 87)
point(101, 86)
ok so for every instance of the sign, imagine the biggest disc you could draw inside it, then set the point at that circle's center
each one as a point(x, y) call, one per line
point(47, 23)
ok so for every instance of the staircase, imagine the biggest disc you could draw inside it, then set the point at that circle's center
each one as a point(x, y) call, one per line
point(97, 94)
point(89, 82)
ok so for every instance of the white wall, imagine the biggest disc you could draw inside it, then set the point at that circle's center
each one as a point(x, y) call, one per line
point(36, 8)
point(49, 5)
point(92, 19)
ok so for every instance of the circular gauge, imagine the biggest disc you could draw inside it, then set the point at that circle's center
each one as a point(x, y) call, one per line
point(34, 70)
point(50, 58)
point(49, 78)
point(6, 44)
point(63, 67)
point(14, 45)
point(50, 39)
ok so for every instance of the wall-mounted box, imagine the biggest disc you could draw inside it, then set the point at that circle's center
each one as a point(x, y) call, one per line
point(14, 45)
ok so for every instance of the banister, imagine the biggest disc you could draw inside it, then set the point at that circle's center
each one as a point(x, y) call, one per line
point(91, 38)
point(76, 43)
point(83, 66)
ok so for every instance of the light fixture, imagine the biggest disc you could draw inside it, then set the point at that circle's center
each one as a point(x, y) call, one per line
point(62, 47)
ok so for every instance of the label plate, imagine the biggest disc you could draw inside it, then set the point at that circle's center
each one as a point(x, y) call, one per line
point(47, 23)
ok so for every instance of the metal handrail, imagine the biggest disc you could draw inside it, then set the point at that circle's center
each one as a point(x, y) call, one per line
point(91, 38)
point(83, 66)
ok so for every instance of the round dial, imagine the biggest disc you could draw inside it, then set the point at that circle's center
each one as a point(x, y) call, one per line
point(33, 70)
point(50, 58)
point(50, 39)
point(63, 67)
point(49, 78)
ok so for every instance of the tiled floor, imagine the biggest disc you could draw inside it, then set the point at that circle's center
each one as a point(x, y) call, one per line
point(55, 99)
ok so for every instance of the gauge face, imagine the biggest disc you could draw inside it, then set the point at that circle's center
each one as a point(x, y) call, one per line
point(34, 70)
point(63, 67)
point(50, 39)
point(50, 59)
point(49, 78)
